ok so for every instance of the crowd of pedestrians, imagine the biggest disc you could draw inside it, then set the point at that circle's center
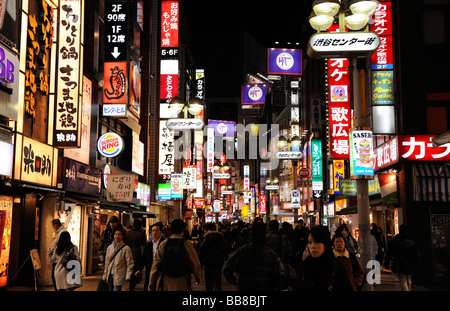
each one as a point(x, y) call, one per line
point(250, 256)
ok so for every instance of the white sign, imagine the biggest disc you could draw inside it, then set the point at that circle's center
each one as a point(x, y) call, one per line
point(185, 124)
point(210, 150)
point(190, 177)
point(120, 187)
point(246, 178)
point(272, 187)
point(166, 149)
point(290, 155)
point(221, 176)
point(114, 110)
point(342, 44)
point(295, 198)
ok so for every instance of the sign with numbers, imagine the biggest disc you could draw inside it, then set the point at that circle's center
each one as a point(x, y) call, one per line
point(116, 23)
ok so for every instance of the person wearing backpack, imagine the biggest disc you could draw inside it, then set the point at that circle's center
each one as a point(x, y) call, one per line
point(175, 261)
point(212, 252)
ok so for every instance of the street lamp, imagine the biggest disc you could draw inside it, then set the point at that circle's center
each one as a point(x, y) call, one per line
point(355, 15)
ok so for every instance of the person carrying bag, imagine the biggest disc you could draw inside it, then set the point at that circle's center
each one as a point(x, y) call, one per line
point(102, 284)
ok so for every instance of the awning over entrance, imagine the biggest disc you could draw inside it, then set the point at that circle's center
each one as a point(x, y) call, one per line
point(431, 182)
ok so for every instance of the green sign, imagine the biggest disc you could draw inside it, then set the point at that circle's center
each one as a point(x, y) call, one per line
point(347, 187)
point(316, 159)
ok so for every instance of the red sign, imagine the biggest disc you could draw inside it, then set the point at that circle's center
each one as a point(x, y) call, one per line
point(382, 25)
point(262, 204)
point(170, 14)
point(199, 203)
point(339, 99)
point(287, 205)
point(115, 83)
point(386, 154)
point(304, 172)
point(420, 148)
point(169, 86)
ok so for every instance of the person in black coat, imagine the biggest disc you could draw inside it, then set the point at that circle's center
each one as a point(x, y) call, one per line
point(212, 252)
point(258, 267)
point(320, 271)
point(402, 257)
point(149, 253)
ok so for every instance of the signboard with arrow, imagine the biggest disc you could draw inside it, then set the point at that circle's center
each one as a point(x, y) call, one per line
point(116, 38)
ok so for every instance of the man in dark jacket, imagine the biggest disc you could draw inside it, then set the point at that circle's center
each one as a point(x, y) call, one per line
point(403, 253)
point(212, 253)
point(149, 252)
point(259, 268)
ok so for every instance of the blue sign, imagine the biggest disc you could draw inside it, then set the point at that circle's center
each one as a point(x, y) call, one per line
point(223, 128)
point(254, 93)
point(284, 61)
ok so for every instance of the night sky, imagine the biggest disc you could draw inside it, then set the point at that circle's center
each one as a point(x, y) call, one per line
point(216, 26)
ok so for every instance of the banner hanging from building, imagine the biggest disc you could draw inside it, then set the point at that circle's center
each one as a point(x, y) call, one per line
point(253, 93)
point(284, 61)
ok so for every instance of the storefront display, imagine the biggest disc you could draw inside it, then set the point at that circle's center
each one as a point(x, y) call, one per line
point(6, 204)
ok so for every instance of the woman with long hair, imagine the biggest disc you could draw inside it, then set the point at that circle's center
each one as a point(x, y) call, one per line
point(68, 268)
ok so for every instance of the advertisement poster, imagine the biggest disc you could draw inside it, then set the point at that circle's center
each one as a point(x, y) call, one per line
point(6, 204)
point(361, 157)
point(176, 181)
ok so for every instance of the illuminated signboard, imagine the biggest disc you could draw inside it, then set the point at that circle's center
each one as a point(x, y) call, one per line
point(115, 83)
point(383, 58)
point(339, 108)
point(69, 73)
point(253, 93)
point(38, 161)
point(110, 145)
point(170, 12)
point(284, 61)
point(361, 157)
point(6, 210)
point(40, 36)
point(116, 31)
point(166, 149)
point(420, 148)
point(316, 163)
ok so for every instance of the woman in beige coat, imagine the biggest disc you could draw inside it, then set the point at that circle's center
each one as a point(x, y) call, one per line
point(120, 268)
point(66, 280)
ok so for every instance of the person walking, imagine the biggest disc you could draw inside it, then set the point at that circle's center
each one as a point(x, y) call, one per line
point(175, 261)
point(58, 228)
point(119, 262)
point(401, 257)
point(301, 235)
point(107, 236)
point(350, 242)
point(136, 240)
point(212, 253)
point(349, 260)
point(149, 254)
point(320, 271)
point(59, 257)
point(258, 267)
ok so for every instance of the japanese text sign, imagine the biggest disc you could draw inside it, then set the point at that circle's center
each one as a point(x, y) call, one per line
point(223, 128)
point(170, 14)
point(246, 177)
point(382, 25)
point(284, 61)
point(38, 161)
point(120, 187)
point(316, 162)
point(116, 41)
point(262, 204)
point(189, 177)
point(386, 154)
point(166, 149)
point(39, 45)
point(339, 107)
point(420, 148)
point(383, 87)
point(67, 119)
point(343, 44)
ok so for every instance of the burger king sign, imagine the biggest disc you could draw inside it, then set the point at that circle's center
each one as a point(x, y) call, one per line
point(110, 145)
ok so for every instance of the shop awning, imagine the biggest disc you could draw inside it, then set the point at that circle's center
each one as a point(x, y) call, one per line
point(348, 210)
point(143, 214)
point(431, 182)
